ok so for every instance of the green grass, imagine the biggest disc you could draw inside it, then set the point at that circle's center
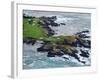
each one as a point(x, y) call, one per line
point(33, 30)
point(55, 39)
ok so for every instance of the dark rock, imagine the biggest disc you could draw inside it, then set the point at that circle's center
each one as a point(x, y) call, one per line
point(60, 53)
point(86, 43)
point(84, 53)
point(82, 62)
point(83, 36)
point(49, 30)
point(54, 24)
point(50, 54)
point(73, 44)
point(29, 40)
point(54, 53)
point(83, 39)
point(72, 53)
point(46, 42)
point(49, 21)
point(65, 41)
point(42, 49)
point(86, 31)
point(65, 58)
point(54, 18)
point(46, 47)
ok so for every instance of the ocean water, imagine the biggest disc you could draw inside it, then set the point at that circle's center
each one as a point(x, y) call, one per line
point(73, 25)
point(32, 59)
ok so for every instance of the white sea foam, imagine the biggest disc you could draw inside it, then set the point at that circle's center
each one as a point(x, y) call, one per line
point(72, 25)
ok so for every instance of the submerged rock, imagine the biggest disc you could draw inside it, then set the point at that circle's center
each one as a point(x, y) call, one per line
point(28, 62)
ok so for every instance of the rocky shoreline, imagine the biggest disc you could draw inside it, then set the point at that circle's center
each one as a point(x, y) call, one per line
point(63, 45)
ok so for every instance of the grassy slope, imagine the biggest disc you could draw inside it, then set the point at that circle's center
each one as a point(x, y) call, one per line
point(33, 30)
